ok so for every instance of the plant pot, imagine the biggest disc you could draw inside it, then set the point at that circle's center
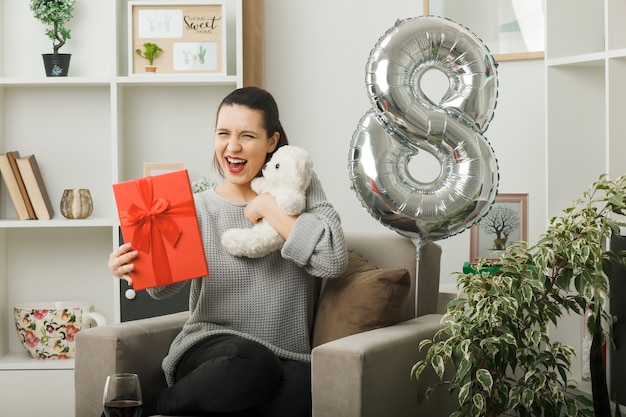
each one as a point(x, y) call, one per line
point(57, 65)
point(150, 68)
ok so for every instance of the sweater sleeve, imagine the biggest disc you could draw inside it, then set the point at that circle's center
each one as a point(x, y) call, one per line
point(316, 242)
point(165, 291)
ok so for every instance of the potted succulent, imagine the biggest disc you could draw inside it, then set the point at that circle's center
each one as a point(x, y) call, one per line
point(495, 334)
point(151, 51)
point(55, 14)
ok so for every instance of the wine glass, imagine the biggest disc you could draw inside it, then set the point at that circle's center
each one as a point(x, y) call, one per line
point(122, 396)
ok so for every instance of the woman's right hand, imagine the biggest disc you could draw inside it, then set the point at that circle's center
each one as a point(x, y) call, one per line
point(120, 262)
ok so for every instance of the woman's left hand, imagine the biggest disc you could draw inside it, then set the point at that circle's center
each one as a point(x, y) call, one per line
point(259, 205)
point(264, 206)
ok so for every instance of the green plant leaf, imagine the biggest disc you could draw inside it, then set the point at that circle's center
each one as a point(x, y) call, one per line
point(498, 339)
point(515, 396)
point(438, 365)
point(527, 293)
point(464, 368)
point(418, 368)
point(479, 402)
point(484, 377)
point(572, 410)
point(528, 397)
point(429, 392)
point(464, 393)
point(425, 343)
point(564, 281)
point(508, 338)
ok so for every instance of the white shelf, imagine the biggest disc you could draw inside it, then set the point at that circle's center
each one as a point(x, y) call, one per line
point(617, 53)
point(54, 82)
point(177, 79)
point(95, 127)
point(23, 361)
point(596, 59)
point(89, 222)
point(585, 73)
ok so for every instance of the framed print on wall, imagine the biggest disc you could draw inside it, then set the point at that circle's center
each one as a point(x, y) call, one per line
point(157, 168)
point(505, 223)
point(191, 33)
point(511, 29)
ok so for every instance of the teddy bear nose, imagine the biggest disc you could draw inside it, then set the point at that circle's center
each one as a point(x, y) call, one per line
point(277, 166)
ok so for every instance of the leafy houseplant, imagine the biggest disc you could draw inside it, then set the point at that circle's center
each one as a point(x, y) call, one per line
point(151, 51)
point(55, 14)
point(495, 334)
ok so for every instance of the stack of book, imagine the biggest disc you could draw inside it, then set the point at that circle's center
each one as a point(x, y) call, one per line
point(26, 187)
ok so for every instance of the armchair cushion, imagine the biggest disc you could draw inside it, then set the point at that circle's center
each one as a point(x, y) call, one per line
point(363, 298)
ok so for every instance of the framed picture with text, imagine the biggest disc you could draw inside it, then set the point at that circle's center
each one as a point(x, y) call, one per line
point(505, 223)
point(191, 36)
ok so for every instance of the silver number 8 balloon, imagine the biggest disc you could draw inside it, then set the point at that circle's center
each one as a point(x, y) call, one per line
point(404, 121)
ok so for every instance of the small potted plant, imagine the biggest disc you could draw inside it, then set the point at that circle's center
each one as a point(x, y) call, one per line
point(55, 14)
point(151, 51)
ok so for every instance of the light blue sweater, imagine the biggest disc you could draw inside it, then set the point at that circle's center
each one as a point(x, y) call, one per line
point(272, 299)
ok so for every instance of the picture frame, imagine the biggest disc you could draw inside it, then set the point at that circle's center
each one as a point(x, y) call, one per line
point(512, 30)
point(504, 224)
point(191, 33)
point(157, 168)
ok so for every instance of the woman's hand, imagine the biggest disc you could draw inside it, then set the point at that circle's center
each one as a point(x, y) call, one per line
point(259, 205)
point(119, 262)
point(264, 206)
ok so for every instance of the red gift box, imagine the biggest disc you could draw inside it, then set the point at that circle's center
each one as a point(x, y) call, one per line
point(158, 216)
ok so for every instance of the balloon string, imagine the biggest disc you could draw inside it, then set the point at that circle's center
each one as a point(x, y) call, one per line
point(419, 243)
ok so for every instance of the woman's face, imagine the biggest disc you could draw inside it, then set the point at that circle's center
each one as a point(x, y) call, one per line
point(241, 143)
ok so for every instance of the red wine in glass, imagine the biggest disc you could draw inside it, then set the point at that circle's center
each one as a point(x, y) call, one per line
point(123, 408)
point(122, 396)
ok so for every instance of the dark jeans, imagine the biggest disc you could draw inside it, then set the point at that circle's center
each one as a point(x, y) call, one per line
point(226, 375)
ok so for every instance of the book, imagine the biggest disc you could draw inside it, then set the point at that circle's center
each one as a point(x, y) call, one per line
point(35, 187)
point(20, 183)
point(6, 170)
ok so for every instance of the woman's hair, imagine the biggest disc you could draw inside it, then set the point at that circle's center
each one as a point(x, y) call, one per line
point(256, 98)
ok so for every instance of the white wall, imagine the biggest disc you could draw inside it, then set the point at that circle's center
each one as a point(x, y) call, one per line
point(316, 53)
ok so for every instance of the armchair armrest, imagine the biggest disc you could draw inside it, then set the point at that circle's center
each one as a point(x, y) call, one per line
point(368, 374)
point(136, 346)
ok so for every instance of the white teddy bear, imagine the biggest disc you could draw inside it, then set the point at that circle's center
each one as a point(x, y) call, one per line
point(286, 176)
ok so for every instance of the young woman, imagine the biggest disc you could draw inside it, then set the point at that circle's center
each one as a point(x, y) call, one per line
point(245, 350)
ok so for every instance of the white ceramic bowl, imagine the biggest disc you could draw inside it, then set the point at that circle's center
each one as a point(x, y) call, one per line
point(47, 329)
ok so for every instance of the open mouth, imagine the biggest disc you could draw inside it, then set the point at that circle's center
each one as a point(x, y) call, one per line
point(235, 164)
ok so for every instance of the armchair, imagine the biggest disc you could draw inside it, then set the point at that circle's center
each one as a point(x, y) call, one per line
point(365, 374)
